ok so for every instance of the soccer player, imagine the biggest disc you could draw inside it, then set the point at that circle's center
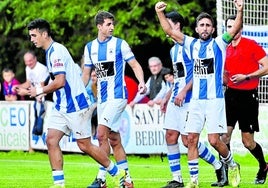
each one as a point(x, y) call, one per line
point(207, 104)
point(177, 102)
point(246, 62)
point(109, 55)
point(72, 108)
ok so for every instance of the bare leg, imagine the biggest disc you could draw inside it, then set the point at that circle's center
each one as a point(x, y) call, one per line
point(103, 138)
point(94, 151)
point(55, 155)
point(54, 151)
point(118, 149)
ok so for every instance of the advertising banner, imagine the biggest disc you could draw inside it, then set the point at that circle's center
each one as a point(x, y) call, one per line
point(14, 125)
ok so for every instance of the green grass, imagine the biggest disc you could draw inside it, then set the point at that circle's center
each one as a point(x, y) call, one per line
point(32, 170)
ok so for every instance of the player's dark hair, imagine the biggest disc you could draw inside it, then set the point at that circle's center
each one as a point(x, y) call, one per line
point(101, 16)
point(175, 18)
point(232, 17)
point(40, 24)
point(204, 15)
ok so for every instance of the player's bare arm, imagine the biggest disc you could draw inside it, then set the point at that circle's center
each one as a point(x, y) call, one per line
point(86, 75)
point(239, 4)
point(174, 34)
point(137, 69)
point(56, 84)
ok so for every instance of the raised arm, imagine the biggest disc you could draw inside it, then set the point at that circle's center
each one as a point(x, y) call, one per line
point(174, 34)
point(239, 18)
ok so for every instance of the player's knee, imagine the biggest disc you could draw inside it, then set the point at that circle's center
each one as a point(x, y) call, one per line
point(51, 142)
point(171, 138)
point(213, 141)
point(249, 144)
point(192, 140)
point(114, 141)
point(83, 146)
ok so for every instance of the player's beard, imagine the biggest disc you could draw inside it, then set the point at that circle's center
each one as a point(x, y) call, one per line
point(205, 36)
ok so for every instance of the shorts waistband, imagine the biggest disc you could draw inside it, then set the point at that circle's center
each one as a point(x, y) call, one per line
point(243, 90)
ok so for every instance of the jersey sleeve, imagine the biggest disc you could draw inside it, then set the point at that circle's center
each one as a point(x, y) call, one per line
point(126, 51)
point(58, 62)
point(87, 61)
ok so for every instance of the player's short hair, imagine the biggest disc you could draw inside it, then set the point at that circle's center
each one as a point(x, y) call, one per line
point(176, 17)
point(40, 24)
point(102, 15)
point(204, 15)
point(231, 17)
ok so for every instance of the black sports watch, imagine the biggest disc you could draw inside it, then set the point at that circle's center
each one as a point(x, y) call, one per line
point(247, 77)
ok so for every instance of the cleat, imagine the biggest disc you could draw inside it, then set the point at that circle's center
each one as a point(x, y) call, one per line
point(97, 183)
point(119, 179)
point(174, 184)
point(222, 179)
point(261, 175)
point(57, 186)
point(128, 183)
point(234, 175)
point(192, 185)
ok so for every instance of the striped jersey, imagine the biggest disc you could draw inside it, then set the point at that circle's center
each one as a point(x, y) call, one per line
point(182, 69)
point(208, 59)
point(109, 59)
point(73, 96)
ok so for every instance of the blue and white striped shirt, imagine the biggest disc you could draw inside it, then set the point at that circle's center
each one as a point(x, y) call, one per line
point(73, 96)
point(109, 59)
point(183, 70)
point(208, 58)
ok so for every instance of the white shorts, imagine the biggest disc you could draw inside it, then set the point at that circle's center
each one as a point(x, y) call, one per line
point(210, 112)
point(109, 113)
point(79, 123)
point(175, 117)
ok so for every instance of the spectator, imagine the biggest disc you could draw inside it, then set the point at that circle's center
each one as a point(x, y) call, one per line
point(9, 85)
point(154, 84)
point(168, 76)
point(36, 75)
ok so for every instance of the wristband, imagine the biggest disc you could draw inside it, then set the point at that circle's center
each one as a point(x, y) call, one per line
point(247, 77)
point(39, 90)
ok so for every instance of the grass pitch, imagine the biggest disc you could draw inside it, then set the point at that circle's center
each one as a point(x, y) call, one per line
point(32, 170)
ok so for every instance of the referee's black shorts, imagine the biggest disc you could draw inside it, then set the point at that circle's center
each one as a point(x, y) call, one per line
point(242, 106)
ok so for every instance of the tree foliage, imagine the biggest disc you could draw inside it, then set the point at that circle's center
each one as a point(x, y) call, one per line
point(72, 23)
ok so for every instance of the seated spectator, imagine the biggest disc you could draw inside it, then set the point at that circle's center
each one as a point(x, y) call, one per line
point(154, 84)
point(9, 85)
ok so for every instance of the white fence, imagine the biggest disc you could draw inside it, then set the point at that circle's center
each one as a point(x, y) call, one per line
point(141, 130)
point(263, 90)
